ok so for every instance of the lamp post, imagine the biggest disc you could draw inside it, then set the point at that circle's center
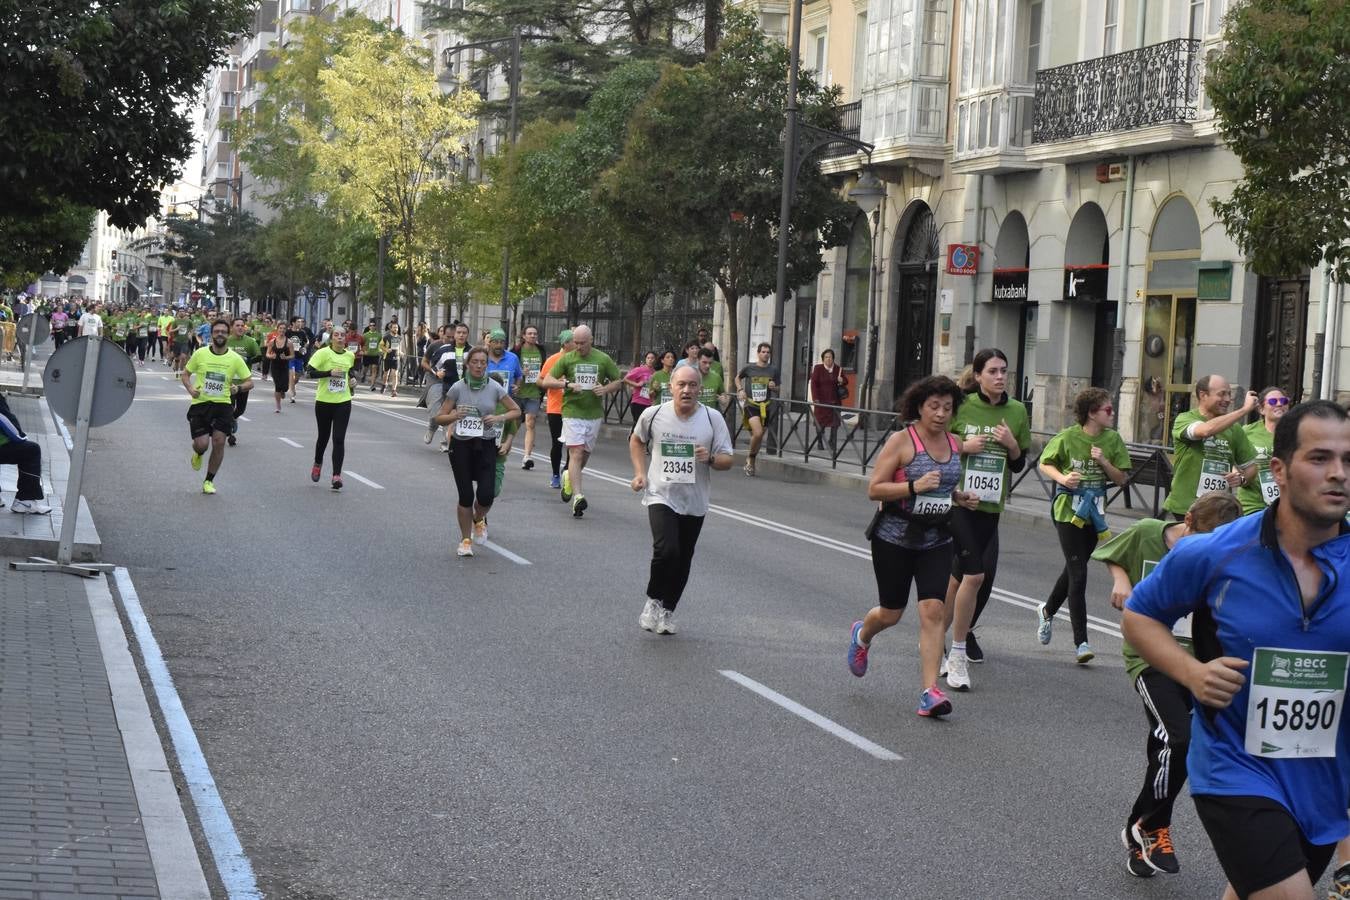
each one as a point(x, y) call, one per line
point(870, 194)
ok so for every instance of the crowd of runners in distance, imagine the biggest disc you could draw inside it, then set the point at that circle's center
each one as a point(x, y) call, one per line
point(1236, 611)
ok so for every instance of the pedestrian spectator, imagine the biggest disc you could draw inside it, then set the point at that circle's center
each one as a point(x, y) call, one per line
point(16, 450)
point(637, 379)
point(829, 386)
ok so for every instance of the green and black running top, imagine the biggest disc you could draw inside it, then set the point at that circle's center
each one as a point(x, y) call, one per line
point(985, 474)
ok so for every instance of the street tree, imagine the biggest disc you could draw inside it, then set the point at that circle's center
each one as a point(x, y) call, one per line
point(462, 243)
point(388, 136)
point(47, 241)
point(1281, 91)
point(95, 100)
point(702, 168)
point(221, 241)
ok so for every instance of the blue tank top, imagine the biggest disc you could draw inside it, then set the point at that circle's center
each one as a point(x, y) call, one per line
point(899, 531)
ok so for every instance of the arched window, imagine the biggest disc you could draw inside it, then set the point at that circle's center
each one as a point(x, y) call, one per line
point(857, 290)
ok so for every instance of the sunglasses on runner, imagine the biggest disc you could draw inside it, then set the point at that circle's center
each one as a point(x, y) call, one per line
point(1277, 401)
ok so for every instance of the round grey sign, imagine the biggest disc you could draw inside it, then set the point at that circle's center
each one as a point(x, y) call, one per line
point(32, 330)
point(114, 384)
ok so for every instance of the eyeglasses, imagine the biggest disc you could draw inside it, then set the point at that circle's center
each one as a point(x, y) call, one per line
point(1277, 401)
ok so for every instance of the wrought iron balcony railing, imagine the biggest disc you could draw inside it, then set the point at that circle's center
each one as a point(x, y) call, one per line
point(1153, 85)
point(850, 124)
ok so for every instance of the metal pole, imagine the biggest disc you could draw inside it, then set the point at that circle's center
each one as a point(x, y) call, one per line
point(71, 508)
point(28, 351)
point(513, 77)
point(379, 281)
point(789, 166)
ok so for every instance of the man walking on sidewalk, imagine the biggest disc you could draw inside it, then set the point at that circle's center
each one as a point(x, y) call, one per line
point(17, 450)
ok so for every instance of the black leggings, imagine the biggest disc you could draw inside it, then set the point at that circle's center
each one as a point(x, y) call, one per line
point(555, 447)
point(332, 419)
point(281, 375)
point(1168, 707)
point(474, 462)
point(976, 535)
point(1077, 544)
point(674, 537)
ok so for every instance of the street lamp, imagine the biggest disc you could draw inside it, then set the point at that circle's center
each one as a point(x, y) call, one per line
point(869, 194)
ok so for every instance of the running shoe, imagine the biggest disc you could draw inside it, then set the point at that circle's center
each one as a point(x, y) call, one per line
point(528, 464)
point(1044, 624)
point(231, 440)
point(973, 652)
point(314, 474)
point(1084, 654)
point(1135, 863)
point(665, 621)
point(337, 482)
point(857, 653)
point(748, 469)
point(1155, 846)
point(958, 676)
point(555, 482)
point(647, 619)
point(567, 487)
point(430, 435)
point(942, 666)
point(579, 505)
point(934, 703)
point(465, 548)
point(1340, 883)
point(208, 487)
point(480, 531)
point(29, 508)
point(196, 461)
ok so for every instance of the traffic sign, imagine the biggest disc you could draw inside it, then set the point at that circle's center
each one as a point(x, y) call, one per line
point(113, 390)
point(33, 330)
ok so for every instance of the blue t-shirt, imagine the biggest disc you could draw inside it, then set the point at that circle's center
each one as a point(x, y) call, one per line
point(1243, 592)
point(509, 365)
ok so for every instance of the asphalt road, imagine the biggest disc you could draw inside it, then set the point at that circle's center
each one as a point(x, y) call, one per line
point(384, 720)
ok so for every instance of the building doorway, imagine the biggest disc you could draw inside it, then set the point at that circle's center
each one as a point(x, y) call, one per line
point(1166, 375)
point(805, 333)
point(916, 298)
point(1281, 324)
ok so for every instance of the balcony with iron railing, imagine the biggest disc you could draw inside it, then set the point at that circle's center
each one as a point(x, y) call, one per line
point(1138, 100)
point(850, 125)
point(993, 129)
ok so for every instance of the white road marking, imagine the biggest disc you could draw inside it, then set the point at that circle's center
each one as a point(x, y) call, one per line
point(236, 872)
point(498, 548)
point(243, 418)
point(363, 480)
point(811, 716)
point(286, 440)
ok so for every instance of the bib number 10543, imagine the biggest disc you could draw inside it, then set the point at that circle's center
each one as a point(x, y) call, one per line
point(1295, 701)
point(984, 477)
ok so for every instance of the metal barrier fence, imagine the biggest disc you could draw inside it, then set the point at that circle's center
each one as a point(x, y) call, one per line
point(792, 432)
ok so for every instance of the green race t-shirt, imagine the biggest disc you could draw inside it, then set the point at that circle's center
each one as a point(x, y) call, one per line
point(118, 328)
point(712, 386)
point(589, 372)
point(986, 473)
point(1262, 490)
point(1071, 451)
point(182, 329)
point(371, 341)
point(1199, 466)
point(245, 346)
point(213, 373)
point(659, 387)
point(530, 362)
point(1138, 550)
point(144, 324)
point(333, 388)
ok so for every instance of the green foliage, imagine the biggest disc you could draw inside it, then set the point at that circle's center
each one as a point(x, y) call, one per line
point(96, 99)
point(1281, 90)
point(701, 172)
point(48, 239)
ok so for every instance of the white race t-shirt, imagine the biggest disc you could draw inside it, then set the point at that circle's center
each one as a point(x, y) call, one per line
point(91, 324)
point(671, 441)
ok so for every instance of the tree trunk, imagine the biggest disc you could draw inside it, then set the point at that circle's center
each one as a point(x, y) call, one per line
point(712, 25)
point(638, 303)
point(729, 362)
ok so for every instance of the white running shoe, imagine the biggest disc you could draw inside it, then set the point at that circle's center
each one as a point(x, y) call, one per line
point(430, 435)
point(30, 508)
point(958, 676)
point(665, 621)
point(647, 620)
point(1044, 625)
point(465, 548)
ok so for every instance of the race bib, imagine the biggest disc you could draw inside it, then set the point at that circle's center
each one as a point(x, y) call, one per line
point(214, 384)
point(337, 384)
point(143, 331)
point(1270, 491)
point(935, 504)
point(1213, 476)
point(984, 477)
point(587, 376)
point(675, 462)
point(471, 425)
point(1294, 703)
point(532, 370)
point(295, 345)
point(759, 391)
point(642, 393)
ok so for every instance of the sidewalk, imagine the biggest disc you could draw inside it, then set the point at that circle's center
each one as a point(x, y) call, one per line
point(88, 806)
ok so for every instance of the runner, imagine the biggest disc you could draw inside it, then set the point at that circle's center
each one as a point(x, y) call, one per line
point(391, 348)
point(143, 326)
point(442, 363)
point(585, 375)
point(686, 441)
point(710, 392)
point(995, 435)
point(371, 350)
point(469, 407)
point(1271, 632)
point(301, 338)
point(247, 348)
point(1261, 491)
point(658, 389)
point(279, 355)
point(915, 483)
point(755, 383)
point(1079, 460)
point(421, 342)
point(531, 356)
point(1212, 452)
point(1129, 557)
point(119, 330)
point(503, 365)
point(165, 321)
point(91, 323)
point(59, 320)
point(332, 366)
point(182, 339)
point(554, 408)
point(212, 376)
point(637, 379)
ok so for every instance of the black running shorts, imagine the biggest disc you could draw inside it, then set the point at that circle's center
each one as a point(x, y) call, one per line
point(1258, 843)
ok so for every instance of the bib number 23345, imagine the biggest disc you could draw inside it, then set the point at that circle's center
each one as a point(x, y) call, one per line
point(1294, 704)
point(676, 462)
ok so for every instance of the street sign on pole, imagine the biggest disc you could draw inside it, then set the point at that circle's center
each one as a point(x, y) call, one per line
point(33, 330)
point(93, 381)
